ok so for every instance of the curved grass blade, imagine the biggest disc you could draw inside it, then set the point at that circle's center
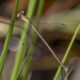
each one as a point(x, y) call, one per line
point(23, 43)
point(8, 38)
point(67, 51)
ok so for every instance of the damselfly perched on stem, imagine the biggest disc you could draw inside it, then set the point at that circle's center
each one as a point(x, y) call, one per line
point(29, 22)
point(17, 26)
point(26, 19)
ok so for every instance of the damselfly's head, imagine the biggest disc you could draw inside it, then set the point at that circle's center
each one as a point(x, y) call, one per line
point(19, 14)
point(23, 17)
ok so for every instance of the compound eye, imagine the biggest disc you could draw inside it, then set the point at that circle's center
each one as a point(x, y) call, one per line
point(19, 15)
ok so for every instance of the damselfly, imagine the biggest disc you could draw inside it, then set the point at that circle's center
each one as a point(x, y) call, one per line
point(24, 18)
point(27, 20)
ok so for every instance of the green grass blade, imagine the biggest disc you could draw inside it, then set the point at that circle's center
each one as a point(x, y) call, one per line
point(8, 38)
point(67, 51)
point(23, 42)
point(30, 53)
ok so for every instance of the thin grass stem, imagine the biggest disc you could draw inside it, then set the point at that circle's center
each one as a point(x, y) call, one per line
point(8, 38)
point(30, 52)
point(23, 42)
point(67, 51)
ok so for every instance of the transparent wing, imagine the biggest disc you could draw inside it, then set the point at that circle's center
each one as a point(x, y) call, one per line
point(19, 24)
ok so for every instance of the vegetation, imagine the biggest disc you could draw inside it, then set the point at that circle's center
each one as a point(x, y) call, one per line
point(20, 57)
